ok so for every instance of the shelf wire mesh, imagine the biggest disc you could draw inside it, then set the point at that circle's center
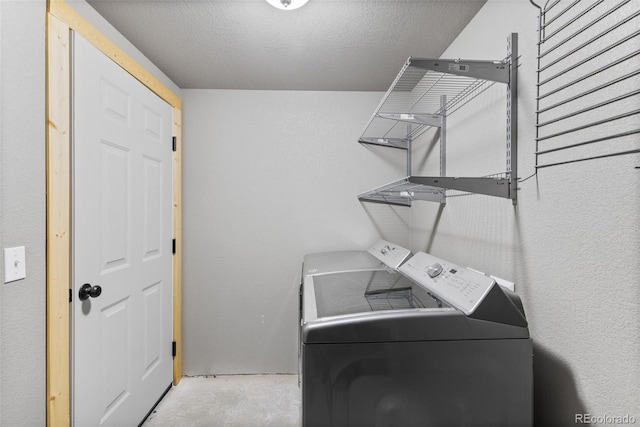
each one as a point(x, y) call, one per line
point(402, 192)
point(418, 91)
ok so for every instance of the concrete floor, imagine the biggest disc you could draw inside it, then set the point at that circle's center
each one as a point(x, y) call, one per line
point(230, 401)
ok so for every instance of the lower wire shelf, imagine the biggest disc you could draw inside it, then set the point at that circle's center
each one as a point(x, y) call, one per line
point(402, 192)
point(433, 189)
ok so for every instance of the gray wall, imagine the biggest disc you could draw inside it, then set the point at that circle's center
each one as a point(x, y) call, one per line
point(23, 203)
point(268, 177)
point(22, 168)
point(572, 244)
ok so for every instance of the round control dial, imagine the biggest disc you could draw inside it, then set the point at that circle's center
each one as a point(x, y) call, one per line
point(434, 270)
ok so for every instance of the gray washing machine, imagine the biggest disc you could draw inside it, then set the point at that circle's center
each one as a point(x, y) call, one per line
point(421, 343)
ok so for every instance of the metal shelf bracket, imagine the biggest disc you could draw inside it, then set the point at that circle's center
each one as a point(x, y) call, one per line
point(499, 187)
point(495, 71)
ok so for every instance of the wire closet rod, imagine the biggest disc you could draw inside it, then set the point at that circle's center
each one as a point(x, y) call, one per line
point(536, 5)
point(591, 141)
point(572, 20)
point(584, 28)
point(589, 58)
point(554, 4)
point(590, 91)
point(599, 122)
point(587, 158)
point(588, 42)
point(591, 74)
point(591, 107)
point(565, 10)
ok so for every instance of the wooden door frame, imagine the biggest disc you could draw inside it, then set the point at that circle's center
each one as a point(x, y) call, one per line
point(61, 19)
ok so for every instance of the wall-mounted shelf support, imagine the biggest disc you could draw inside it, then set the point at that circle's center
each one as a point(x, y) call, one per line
point(423, 94)
point(416, 119)
point(495, 71)
point(499, 187)
point(512, 119)
point(386, 142)
point(409, 149)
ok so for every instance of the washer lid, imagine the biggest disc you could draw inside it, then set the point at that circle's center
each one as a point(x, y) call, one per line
point(338, 261)
point(362, 292)
point(381, 254)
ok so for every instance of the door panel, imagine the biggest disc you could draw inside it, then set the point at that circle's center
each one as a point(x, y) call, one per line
point(115, 349)
point(152, 205)
point(115, 102)
point(122, 232)
point(115, 219)
point(152, 302)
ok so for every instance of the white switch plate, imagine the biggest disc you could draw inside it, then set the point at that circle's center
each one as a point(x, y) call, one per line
point(15, 264)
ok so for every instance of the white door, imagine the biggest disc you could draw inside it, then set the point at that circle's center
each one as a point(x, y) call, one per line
point(122, 243)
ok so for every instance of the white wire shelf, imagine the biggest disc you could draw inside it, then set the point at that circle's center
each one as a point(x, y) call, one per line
point(402, 192)
point(434, 189)
point(422, 96)
point(413, 102)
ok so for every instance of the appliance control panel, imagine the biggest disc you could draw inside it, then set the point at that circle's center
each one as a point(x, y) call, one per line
point(389, 253)
point(458, 286)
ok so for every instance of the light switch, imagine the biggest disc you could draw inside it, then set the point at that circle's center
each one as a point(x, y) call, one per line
point(15, 264)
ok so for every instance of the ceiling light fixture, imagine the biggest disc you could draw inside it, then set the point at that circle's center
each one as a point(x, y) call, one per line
point(287, 4)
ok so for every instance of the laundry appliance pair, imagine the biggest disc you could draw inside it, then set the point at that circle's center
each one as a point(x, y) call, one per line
point(390, 338)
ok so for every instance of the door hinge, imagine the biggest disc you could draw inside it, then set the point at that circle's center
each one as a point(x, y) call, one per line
point(175, 143)
point(173, 243)
point(70, 295)
point(174, 349)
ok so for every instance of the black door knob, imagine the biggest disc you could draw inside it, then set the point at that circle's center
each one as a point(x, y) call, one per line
point(87, 291)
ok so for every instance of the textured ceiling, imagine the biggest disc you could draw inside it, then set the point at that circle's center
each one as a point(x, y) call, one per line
point(357, 45)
